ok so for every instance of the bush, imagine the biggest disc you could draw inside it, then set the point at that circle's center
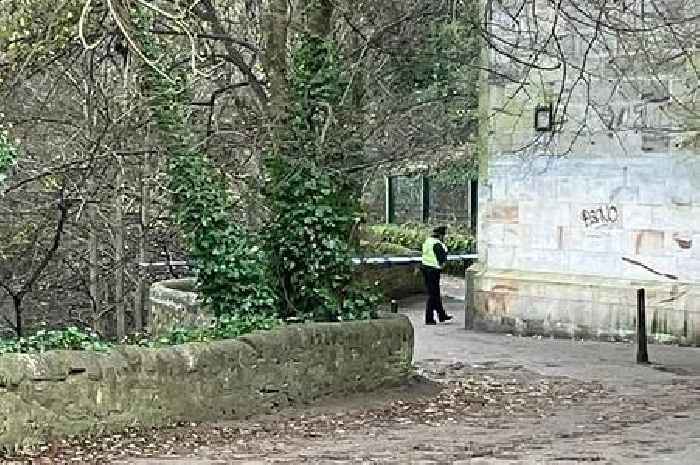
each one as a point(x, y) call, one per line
point(226, 327)
point(412, 236)
point(384, 248)
point(71, 338)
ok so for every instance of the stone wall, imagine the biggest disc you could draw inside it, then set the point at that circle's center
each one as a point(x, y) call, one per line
point(395, 281)
point(62, 393)
point(573, 220)
point(175, 304)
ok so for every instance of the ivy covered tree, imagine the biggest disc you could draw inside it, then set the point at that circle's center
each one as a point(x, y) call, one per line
point(241, 136)
point(314, 206)
point(231, 268)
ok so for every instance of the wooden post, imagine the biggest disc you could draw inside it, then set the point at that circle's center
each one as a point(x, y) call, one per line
point(119, 254)
point(642, 355)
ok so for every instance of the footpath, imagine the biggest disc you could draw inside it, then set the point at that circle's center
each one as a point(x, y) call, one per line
point(497, 399)
point(478, 399)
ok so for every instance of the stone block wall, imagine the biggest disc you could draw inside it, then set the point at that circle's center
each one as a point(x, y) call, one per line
point(62, 393)
point(568, 306)
point(584, 216)
point(578, 238)
point(573, 220)
point(395, 281)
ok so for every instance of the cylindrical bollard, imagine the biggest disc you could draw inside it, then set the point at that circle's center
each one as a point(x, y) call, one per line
point(394, 306)
point(469, 299)
point(642, 355)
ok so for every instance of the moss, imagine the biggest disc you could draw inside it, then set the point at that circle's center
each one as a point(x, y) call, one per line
point(52, 395)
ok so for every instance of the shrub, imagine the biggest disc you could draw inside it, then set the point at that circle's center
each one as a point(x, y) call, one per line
point(225, 327)
point(71, 338)
point(412, 236)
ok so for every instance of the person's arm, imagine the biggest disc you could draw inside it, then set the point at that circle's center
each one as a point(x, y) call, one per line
point(440, 253)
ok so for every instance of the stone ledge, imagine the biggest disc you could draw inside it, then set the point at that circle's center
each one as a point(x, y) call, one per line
point(57, 394)
point(578, 306)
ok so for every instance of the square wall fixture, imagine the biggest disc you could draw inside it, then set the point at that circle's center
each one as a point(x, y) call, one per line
point(544, 119)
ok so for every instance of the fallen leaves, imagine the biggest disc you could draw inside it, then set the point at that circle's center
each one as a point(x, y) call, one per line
point(469, 396)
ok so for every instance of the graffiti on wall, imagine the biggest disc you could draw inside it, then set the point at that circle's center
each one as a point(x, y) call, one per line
point(602, 215)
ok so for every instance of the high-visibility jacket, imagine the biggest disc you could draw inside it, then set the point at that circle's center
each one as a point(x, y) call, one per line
point(429, 257)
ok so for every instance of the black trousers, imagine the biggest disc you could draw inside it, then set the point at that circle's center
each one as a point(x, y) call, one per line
point(434, 302)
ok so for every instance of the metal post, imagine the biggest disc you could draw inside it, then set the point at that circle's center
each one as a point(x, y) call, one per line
point(642, 355)
point(394, 306)
point(468, 297)
point(389, 213)
point(425, 204)
point(474, 205)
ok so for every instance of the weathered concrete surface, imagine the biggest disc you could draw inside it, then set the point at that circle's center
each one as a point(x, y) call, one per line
point(62, 393)
point(175, 304)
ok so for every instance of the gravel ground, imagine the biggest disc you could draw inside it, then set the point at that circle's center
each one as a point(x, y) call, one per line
point(477, 399)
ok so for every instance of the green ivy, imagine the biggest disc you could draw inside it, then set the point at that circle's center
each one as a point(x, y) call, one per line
point(313, 205)
point(309, 251)
point(231, 269)
point(317, 87)
point(457, 173)
point(412, 237)
point(8, 153)
point(73, 338)
point(66, 339)
point(225, 327)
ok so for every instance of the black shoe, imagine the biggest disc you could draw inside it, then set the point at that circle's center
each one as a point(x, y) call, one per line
point(430, 323)
point(445, 318)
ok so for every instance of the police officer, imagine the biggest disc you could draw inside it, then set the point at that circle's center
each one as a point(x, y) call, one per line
point(434, 258)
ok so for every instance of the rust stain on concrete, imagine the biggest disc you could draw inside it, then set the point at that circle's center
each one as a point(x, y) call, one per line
point(648, 240)
point(508, 214)
point(502, 287)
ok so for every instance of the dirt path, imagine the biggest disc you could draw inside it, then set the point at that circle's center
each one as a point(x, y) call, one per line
point(562, 422)
point(478, 399)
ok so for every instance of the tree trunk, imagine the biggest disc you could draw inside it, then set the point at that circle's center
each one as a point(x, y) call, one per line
point(275, 63)
point(119, 255)
point(319, 14)
point(141, 297)
point(93, 265)
point(17, 303)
